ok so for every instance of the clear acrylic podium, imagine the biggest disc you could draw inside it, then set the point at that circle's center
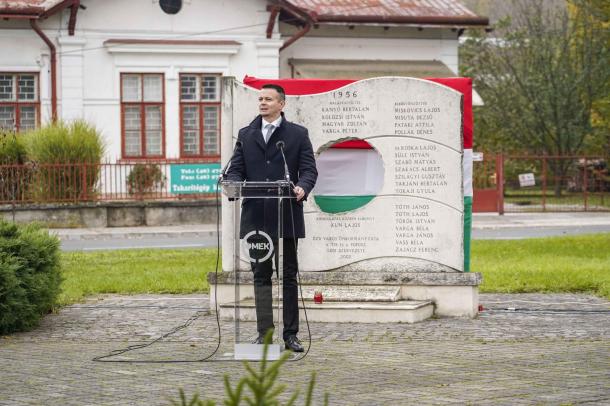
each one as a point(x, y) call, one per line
point(257, 246)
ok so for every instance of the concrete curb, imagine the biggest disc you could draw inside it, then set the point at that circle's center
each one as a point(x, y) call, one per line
point(200, 230)
point(481, 221)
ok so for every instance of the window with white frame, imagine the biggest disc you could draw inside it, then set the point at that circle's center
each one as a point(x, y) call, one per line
point(19, 101)
point(199, 115)
point(142, 115)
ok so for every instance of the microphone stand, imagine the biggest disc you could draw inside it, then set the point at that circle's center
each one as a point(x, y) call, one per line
point(223, 173)
point(280, 146)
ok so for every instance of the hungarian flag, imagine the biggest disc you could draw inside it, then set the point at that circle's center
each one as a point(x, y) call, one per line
point(335, 193)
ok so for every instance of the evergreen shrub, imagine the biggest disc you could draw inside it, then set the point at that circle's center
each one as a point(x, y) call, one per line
point(259, 386)
point(29, 275)
point(144, 179)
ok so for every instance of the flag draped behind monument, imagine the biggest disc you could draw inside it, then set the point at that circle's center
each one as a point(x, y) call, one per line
point(336, 193)
point(463, 85)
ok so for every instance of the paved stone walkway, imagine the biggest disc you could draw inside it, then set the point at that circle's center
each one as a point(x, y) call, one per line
point(551, 349)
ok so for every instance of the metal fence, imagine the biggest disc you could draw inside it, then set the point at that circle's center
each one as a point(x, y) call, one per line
point(518, 183)
point(527, 183)
point(32, 183)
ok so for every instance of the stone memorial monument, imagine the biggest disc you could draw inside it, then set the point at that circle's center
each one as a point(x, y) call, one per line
point(385, 221)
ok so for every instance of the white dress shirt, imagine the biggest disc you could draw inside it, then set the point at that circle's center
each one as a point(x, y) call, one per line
point(265, 123)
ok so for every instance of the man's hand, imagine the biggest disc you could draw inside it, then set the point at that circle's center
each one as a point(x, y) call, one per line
point(299, 192)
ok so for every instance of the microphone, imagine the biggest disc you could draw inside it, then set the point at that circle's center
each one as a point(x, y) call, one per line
point(280, 145)
point(223, 173)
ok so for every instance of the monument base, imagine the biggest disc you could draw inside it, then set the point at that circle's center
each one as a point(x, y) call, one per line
point(450, 294)
point(403, 311)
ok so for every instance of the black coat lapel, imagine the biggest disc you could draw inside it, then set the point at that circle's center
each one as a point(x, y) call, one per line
point(256, 133)
point(276, 134)
point(258, 137)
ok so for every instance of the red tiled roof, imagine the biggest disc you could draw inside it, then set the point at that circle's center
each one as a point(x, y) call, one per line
point(389, 11)
point(34, 7)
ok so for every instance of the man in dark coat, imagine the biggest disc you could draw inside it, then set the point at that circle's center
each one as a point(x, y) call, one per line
point(258, 157)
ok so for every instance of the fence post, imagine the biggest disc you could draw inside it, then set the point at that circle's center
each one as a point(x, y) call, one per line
point(544, 168)
point(74, 178)
point(84, 186)
point(602, 184)
point(500, 181)
point(584, 182)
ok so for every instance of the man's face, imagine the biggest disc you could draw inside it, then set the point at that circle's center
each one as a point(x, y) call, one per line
point(269, 104)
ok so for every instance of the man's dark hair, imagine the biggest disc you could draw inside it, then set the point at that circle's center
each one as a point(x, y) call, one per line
point(278, 89)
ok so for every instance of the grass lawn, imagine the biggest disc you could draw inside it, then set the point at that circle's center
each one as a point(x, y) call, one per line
point(135, 271)
point(558, 264)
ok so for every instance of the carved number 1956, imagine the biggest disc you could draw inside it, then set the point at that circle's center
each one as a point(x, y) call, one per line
point(345, 94)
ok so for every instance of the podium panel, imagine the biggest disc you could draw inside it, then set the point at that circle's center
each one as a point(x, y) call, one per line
point(262, 246)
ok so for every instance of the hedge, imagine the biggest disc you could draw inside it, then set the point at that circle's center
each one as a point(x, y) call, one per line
point(29, 275)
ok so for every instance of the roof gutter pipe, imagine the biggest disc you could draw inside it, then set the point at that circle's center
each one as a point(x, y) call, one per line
point(296, 36)
point(310, 18)
point(51, 46)
point(274, 12)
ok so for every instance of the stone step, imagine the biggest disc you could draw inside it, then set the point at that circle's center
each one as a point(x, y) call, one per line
point(400, 311)
point(370, 278)
point(349, 293)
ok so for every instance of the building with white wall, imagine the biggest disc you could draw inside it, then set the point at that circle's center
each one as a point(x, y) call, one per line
point(145, 72)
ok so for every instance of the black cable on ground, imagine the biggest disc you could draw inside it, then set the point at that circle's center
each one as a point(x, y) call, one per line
point(104, 358)
point(198, 314)
point(300, 287)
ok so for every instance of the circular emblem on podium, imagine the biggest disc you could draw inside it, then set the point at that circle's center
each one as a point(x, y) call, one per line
point(257, 246)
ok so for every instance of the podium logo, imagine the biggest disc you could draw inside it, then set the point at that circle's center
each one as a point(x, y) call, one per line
point(257, 246)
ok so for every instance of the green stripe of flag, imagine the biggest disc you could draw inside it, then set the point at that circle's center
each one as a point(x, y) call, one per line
point(339, 204)
point(467, 231)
